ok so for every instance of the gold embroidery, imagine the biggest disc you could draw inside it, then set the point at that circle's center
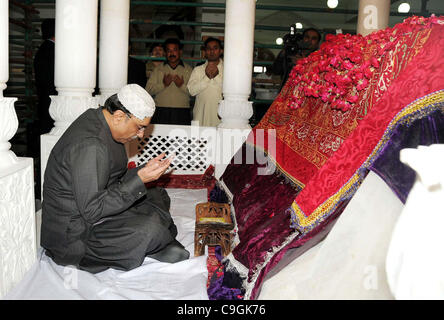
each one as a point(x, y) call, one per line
point(405, 116)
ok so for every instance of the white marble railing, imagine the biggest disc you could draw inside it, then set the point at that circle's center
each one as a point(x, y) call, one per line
point(18, 249)
point(17, 206)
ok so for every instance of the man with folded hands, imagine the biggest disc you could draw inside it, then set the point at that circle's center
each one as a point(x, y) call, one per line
point(96, 213)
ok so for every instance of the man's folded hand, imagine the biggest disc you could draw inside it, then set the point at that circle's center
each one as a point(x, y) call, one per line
point(155, 168)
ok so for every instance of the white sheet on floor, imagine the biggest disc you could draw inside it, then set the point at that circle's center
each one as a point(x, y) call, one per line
point(350, 262)
point(152, 280)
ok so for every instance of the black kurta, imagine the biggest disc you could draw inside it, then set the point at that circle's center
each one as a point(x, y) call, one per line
point(95, 213)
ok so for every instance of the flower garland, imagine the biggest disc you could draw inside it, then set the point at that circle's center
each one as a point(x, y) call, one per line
point(339, 70)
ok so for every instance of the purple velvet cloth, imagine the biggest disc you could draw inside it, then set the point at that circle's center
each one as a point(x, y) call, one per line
point(221, 286)
point(296, 248)
point(218, 195)
point(423, 131)
point(260, 203)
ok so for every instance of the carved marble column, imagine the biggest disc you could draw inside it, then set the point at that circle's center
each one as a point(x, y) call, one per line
point(235, 109)
point(75, 67)
point(373, 15)
point(8, 128)
point(17, 208)
point(75, 61)
point(113, 46)
point(8, 117)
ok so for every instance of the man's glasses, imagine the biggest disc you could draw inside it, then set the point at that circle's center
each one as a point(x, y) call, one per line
point(139, 127)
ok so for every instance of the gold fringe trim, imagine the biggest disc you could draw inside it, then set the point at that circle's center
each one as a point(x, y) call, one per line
point(305, 221)
point(416, 106)
point(282, 170)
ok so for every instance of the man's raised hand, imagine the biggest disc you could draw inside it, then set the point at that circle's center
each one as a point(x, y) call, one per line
point(155, 168)
point(178, 80)
point(211, 70)
point(167, 79)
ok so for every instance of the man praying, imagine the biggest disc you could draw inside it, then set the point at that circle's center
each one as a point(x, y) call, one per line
point(168, 86)
point(206, 84)
point(96, 213)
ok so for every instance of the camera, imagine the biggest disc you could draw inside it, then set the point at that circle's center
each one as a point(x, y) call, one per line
point(295, 45)
point(294, 48)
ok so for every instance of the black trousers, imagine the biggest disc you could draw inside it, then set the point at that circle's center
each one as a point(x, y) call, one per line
point(166, 115)
point(123, 241)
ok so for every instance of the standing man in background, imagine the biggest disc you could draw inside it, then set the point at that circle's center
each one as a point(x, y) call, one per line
point(136, 70)
point(156, 51)
point(168, 85)
point(44, 83)
point(206, 84)
point(44, 75)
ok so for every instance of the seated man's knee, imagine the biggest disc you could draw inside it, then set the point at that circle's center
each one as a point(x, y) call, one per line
point(177, 255)
point(182, 254)
point(174, 252)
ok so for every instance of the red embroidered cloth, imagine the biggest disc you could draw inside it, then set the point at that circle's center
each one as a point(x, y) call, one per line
point(318, 148)
point(325, 152)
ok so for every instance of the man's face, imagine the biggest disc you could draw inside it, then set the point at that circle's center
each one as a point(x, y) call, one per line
point(172, 53)
point(312, 37)
point(213, 51)
point(128, 127)
point(158, 52)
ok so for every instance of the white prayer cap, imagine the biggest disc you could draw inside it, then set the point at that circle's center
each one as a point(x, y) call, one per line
point(137, 101)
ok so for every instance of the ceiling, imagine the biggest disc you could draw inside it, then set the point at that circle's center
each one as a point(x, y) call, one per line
point(343, 17)
point(311, 13)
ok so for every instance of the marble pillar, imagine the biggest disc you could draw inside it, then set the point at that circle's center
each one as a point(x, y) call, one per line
point(75, 61)
point(235, 109)
point(75, 68)
point(113, 46)
point(8, 118)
